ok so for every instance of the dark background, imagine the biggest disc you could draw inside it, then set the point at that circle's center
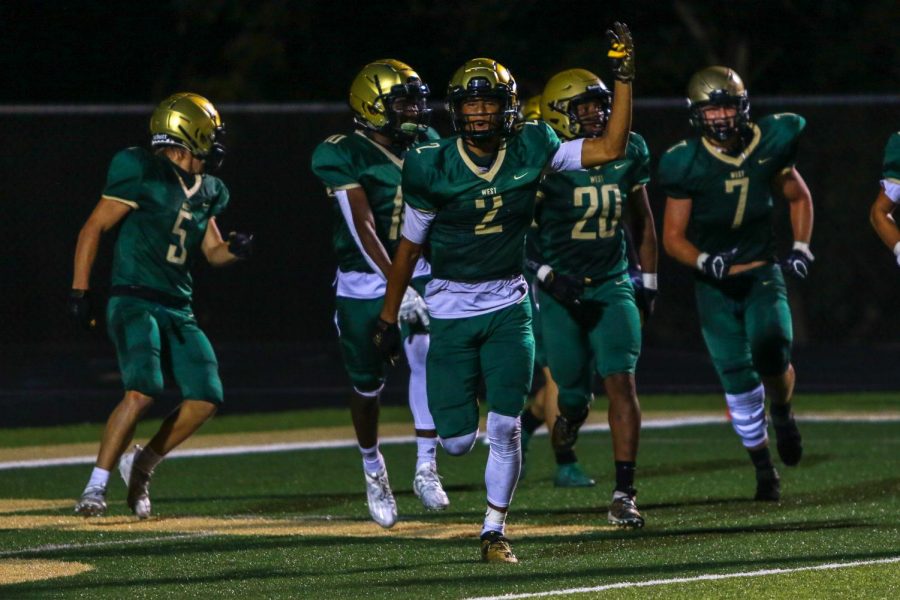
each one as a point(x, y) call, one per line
point(836, 63)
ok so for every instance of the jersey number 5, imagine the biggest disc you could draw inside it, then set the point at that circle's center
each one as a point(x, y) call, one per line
point(177, 254)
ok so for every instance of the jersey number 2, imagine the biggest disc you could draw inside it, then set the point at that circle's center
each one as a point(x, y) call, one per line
point(177, 254)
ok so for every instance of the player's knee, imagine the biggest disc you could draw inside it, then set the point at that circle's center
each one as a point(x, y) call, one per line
point(138, 401)
point(146, 381)
point(416, 348)
point(748, 416)
point(573, 401)
point(504, 435)
point(772, 356)
point(205, 386)
point(460, 444)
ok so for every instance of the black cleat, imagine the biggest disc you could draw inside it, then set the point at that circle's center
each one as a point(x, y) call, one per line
point(565, 432)
point(768, 485)
point(789, 442)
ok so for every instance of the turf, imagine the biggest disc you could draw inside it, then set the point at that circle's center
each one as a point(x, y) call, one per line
point(695, 483)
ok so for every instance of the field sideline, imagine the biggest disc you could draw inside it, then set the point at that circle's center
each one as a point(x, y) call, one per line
point(293, 522)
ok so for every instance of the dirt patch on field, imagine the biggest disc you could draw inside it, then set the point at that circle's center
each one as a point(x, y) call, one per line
point(253, 526)
point(21, 571)
point(14, 505)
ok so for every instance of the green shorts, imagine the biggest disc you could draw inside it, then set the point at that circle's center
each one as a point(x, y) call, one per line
point(497, 346)
point(746, 323)
point(540, 356)
point(141, 329)
point(602, 335)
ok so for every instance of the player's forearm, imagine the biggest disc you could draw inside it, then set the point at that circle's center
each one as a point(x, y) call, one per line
point(885, 226)
point(85, 255)
point(648, 252)
point(399, 275)
point(802, 218)
point(219, 255)
point(374, 250)
point(681, 249)
point(598, 151)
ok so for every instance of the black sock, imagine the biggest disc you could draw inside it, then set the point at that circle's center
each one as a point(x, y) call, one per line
point(761, 458)
point(565, 457)
point(530, 422)
point(781, 413)
point(625, 476)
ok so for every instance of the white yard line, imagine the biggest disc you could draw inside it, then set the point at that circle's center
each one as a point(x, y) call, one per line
point(408, 439)
point(63, 547)
point(709, 577)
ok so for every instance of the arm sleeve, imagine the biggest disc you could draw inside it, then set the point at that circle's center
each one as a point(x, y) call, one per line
point(333, 167)
point(792, 127)
point(124, 178)
point(641, 157)
point(891, 165)
point(222, 200)
point(568, 156)
point(891, 190)
point(344, 203)
point(416, 224)
point(670, 177)
point(415, 184)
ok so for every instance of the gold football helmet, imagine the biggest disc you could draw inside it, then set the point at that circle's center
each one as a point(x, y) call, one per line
point(189, 121)
point(377, 87)
point(530, 110)
point(483, 78)
point(561, 97)
point(718, 86)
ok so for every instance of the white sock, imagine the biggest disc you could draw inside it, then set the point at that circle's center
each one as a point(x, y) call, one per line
point(416, 348)
point(373, 461)
point(504, 459)
point(426, 450)
point(99, 478)
point(494, 520)
point(748, 416)
point(147, 460)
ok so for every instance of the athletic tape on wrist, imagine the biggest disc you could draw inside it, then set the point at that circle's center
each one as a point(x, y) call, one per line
point(649, 280)
point(702, 259)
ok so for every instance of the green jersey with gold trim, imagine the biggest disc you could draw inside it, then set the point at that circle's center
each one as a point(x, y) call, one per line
point(891, 167)
point(482, 213)
point(161, 237)
point(344, 162)
point(731, 196)
point(580, 213)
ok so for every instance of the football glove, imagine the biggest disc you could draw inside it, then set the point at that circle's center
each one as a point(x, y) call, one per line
point(79, 309)
point(798, 262)
point(240, 244)
point(413, 308)
point(387, 341)
point(564, 288)
point(621, 52)
point(643, 295)
point(716, 265)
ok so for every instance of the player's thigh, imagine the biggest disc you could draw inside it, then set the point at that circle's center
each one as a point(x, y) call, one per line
point(722, 325)
point(568, 351)
point(540, 352)
point(616, 335)
point(768, 322)
point(507, 358)
point(134, 330)
point(194, 362)
point(355, 320)
point(452, 375)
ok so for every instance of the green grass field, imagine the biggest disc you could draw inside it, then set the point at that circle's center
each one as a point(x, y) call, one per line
point(295, 525)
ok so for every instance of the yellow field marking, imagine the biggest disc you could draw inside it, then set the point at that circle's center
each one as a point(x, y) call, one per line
point(14, 505)
point(21, 571)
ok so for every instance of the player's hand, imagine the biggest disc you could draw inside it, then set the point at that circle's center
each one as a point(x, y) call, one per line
point(387, 341)
point(621, 52)
point(717, 265)
point(798, 262)
point(413, 308)
point(564, 288)
point(644, 296)
point(79, 309)
point(240, 244)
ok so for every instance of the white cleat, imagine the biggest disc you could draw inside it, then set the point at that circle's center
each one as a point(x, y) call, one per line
point(92, 502)
point(138, 483)
point(382, 505)
point(427, 486)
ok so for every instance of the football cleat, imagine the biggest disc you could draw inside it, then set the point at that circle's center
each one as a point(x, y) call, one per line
point(788, 441)
point(92, 502)
point(565, 432)
point(495, 548)
point(382, 505)
point(427, 487)
point(768, 485)
point(138, 483)
point(572, 475)
point(623, 511)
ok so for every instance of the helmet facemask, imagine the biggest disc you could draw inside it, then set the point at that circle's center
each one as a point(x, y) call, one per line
point(589, 113)
point(721, 128)
point(406, 108)
point(500, 123)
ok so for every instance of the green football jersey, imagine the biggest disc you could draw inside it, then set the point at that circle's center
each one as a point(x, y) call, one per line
point(580, 214)
point(731, 195)
point(478, 233)
point(343, 162)
point(161, 237)
point(892, 158)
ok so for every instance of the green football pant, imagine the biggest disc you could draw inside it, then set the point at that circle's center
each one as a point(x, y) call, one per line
point(497, 346)
point(540, 355)
point(601, 335)
point(140, 329)
point(746, 323)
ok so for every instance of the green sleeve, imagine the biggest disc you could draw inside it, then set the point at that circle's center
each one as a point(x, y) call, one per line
point(432, 135)
point(124, 178)
point(333, 166)
point(415, 181)
point(792, 126)
point(222, 199)
point(891, 168)
point(637, 147)
point(671, 174)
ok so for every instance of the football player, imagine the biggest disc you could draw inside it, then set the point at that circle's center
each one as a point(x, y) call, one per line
point(361, 172)
point(888, 198)
point(718, 221)
point(471, 196)
point(167, 205)
point(589, 309)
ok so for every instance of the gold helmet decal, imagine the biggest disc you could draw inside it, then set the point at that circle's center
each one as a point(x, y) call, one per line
point(375, 89)
point(484, 78)
point(191, 122)
point(561, 97)
point(722, 87)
